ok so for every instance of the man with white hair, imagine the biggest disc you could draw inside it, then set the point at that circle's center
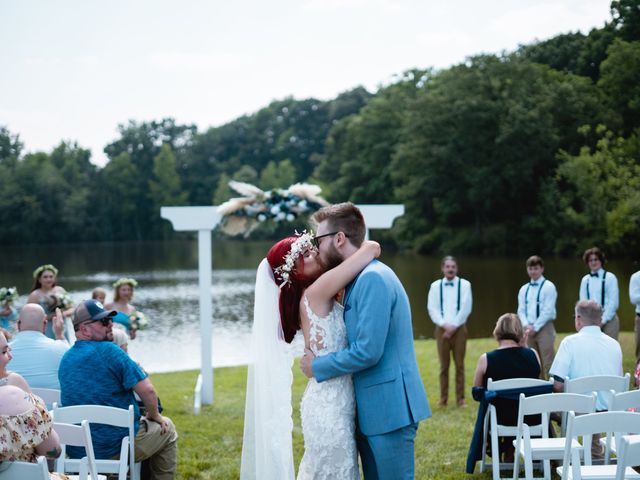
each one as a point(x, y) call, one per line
point(35, 356)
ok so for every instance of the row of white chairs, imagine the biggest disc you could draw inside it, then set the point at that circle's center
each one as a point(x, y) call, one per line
point(581, 399)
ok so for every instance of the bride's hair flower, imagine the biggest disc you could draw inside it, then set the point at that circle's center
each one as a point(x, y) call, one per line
point(301, 245)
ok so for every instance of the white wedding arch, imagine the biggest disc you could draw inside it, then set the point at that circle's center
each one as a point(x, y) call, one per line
point(203, 220)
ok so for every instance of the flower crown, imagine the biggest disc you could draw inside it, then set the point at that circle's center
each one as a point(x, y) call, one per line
point(125, 281)
point(38, 271)
point(298, 247)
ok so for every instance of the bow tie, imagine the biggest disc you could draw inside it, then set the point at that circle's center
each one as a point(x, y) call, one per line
point(594, 274)
point(448, 284)
point(533, 284)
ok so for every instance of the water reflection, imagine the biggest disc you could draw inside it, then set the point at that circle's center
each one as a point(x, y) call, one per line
point(168, 291)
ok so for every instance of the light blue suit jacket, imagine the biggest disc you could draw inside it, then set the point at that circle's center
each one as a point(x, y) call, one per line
point(389, 391)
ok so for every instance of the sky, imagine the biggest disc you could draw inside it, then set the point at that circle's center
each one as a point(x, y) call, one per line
point(76, 69)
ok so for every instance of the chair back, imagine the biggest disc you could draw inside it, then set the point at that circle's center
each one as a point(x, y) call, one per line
point(48, 395)
point(629, 454)
point(77, 436)
point(626, 400)
point(516, 383)
point(557, 402)
point(26, 470)
point(603, 384)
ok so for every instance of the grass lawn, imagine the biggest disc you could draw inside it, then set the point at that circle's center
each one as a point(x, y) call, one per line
point(210, 444)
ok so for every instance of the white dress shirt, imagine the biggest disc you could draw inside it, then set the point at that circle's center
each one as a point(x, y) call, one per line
point(588, 352)
point(37, 358)
point(591, 289)
point(450, 302)
point(634, 290)
point(537, 303)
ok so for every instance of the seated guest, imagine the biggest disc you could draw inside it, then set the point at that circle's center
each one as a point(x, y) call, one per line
point(99, 294)
point(7, 377)
point(95, 371)
point(512, 359)
point(35, 356)
point(26, 428)
point(589, 352)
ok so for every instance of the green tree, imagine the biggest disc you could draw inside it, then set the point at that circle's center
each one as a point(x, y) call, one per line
point(165, 188)
point(277, 175)
point(222, 192)
point(122, 186)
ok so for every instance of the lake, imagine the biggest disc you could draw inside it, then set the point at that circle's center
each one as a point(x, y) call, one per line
point(168, 290)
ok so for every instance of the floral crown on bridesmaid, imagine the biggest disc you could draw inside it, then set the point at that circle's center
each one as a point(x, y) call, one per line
point(303, 243)
point(38, 271)
point(125, 281)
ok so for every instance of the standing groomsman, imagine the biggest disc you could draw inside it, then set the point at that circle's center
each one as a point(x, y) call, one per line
point(601, 286)
point(449, 304)
point(634, 295)
point(537, 311)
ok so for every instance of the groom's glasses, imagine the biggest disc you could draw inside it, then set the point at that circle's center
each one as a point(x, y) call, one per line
point(316, 240)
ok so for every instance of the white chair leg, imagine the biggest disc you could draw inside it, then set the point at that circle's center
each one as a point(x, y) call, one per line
point(547, 469)
point(495, 456)
point(528, 468)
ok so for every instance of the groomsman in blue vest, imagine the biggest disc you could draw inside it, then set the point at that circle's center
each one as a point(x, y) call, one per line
point(449, 303)
point(537, 311)
point(602, 287)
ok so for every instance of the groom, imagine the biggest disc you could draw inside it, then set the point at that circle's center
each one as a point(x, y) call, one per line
point(390, 396)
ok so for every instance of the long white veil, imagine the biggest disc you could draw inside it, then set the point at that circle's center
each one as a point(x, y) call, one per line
point(267, 449)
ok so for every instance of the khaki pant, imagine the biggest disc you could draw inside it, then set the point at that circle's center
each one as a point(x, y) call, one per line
point(637, 330)
point(542, 342)
point(160, 449)
point(457, 344)
point(612, 327)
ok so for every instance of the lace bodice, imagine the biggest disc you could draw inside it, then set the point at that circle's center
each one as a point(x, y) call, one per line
point(326, 334)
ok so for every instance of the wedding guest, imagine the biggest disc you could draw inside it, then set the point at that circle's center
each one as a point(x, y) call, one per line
point(8, 377)
point(35, 356)
point(49, 295)
point(121, 339)
point(449, 304)
point(602, 287)
point(8, 313)
point(512, 359)
point(537, 311)
point(122, 296)
point(99, 294)
point(634, 295)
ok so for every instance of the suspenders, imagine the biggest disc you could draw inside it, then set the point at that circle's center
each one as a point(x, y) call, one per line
point(526, 299)
point(604, 274)
point(442, 297)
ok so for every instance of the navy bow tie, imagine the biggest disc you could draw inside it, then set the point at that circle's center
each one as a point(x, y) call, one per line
point(594, 274)
point(533, 284)
point(448, 284)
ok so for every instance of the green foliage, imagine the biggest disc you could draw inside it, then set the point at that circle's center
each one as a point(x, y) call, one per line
point(280, 175)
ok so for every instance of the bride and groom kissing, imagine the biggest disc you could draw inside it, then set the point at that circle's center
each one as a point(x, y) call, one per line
point(365, 395)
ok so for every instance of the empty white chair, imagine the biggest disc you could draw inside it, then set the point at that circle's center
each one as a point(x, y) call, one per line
point(494, 430)
point(629, 454)
point(26, 471)
point(116, 417)
point(545, 448)
point(585, 426)
point(620, 402)
point(48, 395)
point(77, 436)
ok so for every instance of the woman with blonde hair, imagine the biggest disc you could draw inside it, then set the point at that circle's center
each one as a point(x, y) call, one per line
point(128, 318)
point(49, 295)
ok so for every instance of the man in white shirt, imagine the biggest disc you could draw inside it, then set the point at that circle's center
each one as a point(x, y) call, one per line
point(537, 311)
point(586, 353)
point(602, 287)
point(35, 356)
point(449, 303)
point(634, 295)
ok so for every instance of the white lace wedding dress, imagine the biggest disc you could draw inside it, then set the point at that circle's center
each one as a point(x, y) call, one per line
point(328, 408)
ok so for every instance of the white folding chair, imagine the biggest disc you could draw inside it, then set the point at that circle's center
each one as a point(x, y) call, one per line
point(116, 417)
point(76, 436)
point(49, 396)
point(620, 402)
point(629, 454)
point(495, 430)
point(585, 426)
point(545, 449)
point(26, 471)
point(595, 383)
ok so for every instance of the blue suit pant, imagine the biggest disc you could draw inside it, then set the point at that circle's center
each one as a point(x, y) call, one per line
point(389, 456)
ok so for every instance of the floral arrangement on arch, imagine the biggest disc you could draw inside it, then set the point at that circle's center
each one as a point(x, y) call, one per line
point(8, 294)
point(244, 214)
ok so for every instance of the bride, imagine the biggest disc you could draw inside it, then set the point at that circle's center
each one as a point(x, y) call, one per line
point(294, 291)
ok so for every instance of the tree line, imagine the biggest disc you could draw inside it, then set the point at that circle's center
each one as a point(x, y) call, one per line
point(532, 150)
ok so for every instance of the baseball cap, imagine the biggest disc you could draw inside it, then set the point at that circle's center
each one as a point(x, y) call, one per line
point(90, 310)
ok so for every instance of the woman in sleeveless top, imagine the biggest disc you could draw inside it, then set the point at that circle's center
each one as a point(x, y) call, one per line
point(512, 359)
point(49, 296)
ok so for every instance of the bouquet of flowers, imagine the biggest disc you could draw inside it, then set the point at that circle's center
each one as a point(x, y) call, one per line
point(8, 294)
point(62, 301)
point(138, 321)
point(243, 214)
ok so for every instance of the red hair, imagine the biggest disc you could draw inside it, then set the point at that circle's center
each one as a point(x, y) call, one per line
point(291, 292)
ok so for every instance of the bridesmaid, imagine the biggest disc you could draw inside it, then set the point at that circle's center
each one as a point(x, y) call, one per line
point(49, 296)
point(122, 296)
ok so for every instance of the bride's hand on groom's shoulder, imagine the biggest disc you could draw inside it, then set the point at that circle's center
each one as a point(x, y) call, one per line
point(305, 363)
